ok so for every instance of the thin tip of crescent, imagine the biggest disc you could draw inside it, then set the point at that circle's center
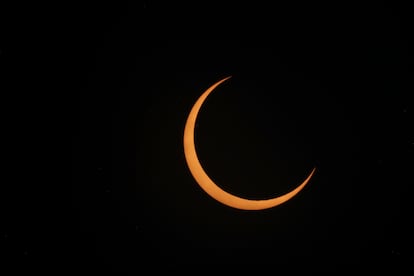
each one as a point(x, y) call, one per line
point(312, 172)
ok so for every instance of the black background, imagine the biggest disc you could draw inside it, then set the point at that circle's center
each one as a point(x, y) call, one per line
point(313, 85)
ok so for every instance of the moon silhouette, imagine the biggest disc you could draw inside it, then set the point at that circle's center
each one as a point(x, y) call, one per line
point(204, 180)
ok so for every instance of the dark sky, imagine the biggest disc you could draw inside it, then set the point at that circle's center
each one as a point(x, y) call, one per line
point(308, 89)
point(312, 86)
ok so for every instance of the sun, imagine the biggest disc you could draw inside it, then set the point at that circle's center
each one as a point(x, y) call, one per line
point(205, 181)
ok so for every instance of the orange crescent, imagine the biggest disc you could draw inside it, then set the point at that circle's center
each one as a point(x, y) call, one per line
point(204, 180)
